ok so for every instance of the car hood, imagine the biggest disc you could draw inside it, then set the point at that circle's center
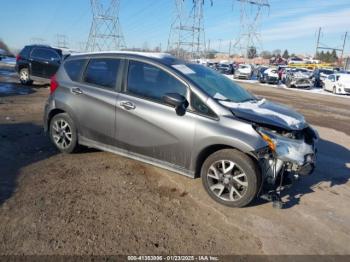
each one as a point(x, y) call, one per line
point(267, 113)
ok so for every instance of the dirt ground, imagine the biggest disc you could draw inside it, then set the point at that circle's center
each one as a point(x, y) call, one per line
point(100, 203)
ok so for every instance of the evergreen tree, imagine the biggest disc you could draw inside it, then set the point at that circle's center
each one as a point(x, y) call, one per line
point(285, 54)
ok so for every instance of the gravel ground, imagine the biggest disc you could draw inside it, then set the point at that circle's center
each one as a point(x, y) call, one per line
point(99, 203)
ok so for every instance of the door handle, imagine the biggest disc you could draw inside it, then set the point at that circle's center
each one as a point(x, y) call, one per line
point(77, 91)
point(127, 105)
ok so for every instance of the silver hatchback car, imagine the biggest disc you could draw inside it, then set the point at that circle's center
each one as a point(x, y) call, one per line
point(183, 117)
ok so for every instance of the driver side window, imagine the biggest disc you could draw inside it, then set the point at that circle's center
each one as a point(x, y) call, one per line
point(151, 82)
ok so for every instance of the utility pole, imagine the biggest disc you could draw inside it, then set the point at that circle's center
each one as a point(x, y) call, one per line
point(186, 38)
point(319, 45)
point(318, 41)
point(229, 49)
point(342, 51)
point(105, 33)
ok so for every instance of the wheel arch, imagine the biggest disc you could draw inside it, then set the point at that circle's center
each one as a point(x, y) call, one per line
point(209, 150)
point(51, 114)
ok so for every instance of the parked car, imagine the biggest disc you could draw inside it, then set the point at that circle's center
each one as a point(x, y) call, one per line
point(338, 84)
point(182, 117)
point(226, 69)
point(260, 73)
point(244, 71)
point(286, 70)
point(37, 62)
point(299, 78)
point(270, 76)
point(212, 65)
point(295, 60)
point(319, 75)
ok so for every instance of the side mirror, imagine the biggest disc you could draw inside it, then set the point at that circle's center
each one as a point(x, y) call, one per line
point(178, 101)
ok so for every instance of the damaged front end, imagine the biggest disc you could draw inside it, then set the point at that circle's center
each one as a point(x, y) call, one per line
point(289, 154)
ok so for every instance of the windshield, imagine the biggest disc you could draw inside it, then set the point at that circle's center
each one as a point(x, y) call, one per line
point(216, 85)
point(327, 72)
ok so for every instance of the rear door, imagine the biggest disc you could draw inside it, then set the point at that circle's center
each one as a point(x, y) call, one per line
point(37, 60)
point(147, 126)
point(93, 99)
point(52, 62)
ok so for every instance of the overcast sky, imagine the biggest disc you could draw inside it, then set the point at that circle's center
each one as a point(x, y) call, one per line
point(289, 24)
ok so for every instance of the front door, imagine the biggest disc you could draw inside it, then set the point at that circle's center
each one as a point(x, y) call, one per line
point(145, 125)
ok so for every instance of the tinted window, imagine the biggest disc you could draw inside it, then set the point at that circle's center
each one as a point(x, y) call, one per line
point(74, 68)
point(200, 107)
point(102, 72)
point(151, 82)
point(25, 52)
point(46, 54)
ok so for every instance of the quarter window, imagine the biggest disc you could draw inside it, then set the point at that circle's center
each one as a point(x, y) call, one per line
point(200, 107)
point(102, 72)
point(74, 68)
point(151, 82)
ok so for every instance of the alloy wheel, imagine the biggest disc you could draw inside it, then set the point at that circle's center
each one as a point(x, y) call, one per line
point(24, 76)
point(227, 180)
point(61, 133)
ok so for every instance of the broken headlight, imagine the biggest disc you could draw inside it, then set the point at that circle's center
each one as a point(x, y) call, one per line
point(286, 146)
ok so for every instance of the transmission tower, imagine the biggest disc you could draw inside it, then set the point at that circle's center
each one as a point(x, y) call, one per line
point(187, 38)
point(105, 33)
point(37, 40)
point(250, 15)
point(61, 41)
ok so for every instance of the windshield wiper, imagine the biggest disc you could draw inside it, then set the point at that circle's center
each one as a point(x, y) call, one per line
point(223, 99)
point(249, 99)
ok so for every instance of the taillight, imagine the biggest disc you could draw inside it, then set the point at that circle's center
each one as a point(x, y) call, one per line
point(18, 57)
point(53, 84)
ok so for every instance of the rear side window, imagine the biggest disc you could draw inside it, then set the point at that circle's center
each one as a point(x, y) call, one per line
point(25, 52)
point(102, 72)
point(45, 54)
point(74, 68)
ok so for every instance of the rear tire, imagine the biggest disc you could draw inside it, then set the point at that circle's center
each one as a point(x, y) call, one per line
point(231, 178)
point(63, 133)
point(24, 77)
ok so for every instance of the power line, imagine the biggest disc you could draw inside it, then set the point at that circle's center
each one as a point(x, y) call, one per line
point(105, 33)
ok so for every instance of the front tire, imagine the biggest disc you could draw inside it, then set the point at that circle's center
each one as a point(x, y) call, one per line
point(63, 133)
point(24, 77)
point(231, 178)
